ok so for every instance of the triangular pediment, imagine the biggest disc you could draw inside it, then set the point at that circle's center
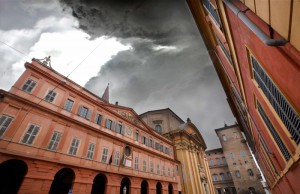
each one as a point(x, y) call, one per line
point(193, 131)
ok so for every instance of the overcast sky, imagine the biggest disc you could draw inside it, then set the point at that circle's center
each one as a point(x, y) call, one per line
point(150, 52)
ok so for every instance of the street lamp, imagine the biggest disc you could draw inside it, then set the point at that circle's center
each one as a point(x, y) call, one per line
point(124, 189)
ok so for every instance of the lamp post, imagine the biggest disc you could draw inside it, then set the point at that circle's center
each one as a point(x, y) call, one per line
point(124, 189)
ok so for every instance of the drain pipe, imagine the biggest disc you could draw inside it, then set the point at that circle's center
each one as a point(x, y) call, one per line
point(256, 30)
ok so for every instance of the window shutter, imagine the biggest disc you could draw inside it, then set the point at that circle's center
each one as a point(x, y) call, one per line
point(79, 110)
point(88, 115)
point(122, 130)
point(113, 125)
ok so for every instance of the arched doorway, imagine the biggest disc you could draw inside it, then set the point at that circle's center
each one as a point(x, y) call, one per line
point(63, 181)
point(125, 186)
point(170, 188)
point(99, 184)
point(144, 187)
point(158, 188)
point(12, 173)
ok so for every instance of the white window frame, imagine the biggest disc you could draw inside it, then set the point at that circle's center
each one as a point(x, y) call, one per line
point(54, 141)
point(69, 105)
point(136, 163)
point(27, 87)
point(117, 158)
point(5, 121)
point(104, 155)
point(50, 96)
point(74, 146)
point(144, 165)
point(90, 152)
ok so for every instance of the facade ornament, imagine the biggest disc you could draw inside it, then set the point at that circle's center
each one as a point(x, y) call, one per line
point(46, 61)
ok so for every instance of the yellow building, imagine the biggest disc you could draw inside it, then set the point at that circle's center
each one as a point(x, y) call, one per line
point(190, 149)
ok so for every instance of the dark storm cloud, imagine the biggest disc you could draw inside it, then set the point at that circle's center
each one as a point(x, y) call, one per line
point(168, 65)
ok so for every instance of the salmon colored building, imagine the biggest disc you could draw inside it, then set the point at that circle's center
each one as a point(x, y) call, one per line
point(58, 138)
point(254, 46)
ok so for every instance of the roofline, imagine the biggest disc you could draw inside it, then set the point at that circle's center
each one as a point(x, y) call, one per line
point(181, 121)
point(226, 127)
point(214, 150)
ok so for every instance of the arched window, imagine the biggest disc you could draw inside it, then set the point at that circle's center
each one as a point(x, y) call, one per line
point(222, 176)
point(250, 172)
point(237, 174)
point(158, 128)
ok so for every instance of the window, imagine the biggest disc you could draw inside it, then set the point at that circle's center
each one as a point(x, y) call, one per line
point(224, 137)
point(250, 172)
point(212, 11)
point(225, 51)
point(150, 143)
point(143, 140)
point(74, 146)
point(211, 162)
point(117, 156)
point(289, 117)
point(231, 155)
point(222, 176)
point(151, 166)
point(163, 170)
point(84, 112)
point(219, 191)
point(158, 128)
point(28, 86)
point(237, 174)
point(172, 172)
point(104, 155)
point(218, 161)
point(161, 147)
point(136, 135)
point(108, 124)
point(68, 105)
point(127, 151)
point(215, 177)
point(224, 160)
point(286, 154)
point(98, 118)
point(168, 171)
point(229, 175)
point(50, 96)
point(157, 146)
point(136, 163)
point(54, 140)
point(158, 169)
point(30, 134)
point(243, 153)
point(144, 166)
point(119, 128)
point(90, 152)
point(4, 123)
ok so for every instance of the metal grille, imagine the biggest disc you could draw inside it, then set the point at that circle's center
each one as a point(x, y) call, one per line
point(212, 11)
point(274, 133)
point(287, 114)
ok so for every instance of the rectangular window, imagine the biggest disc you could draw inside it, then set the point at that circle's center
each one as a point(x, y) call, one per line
point(74, 146)
point(54, 140)
point(150, 143)
point(274, 133)
point(143, 140)
point(117, 157)
point(157, 146)
point(161, 147)
point(136, 163)
point(289, 117)
point(4, 123)
point(212, 11)
point(137, 135)
point(119, 128)
point(98, 119)
point(211, 162)
point(163, 170)
point(108, 124)
point(231, 155)
point(158, 169)
point(68, 105)
point(144, 166)
point(151, 166)
point(104, 155)
point(30, 134)
point(84, 112)
point(50, 96)
point(90, 152)
point(28, 86)
point(225, 51)
point(168, 171)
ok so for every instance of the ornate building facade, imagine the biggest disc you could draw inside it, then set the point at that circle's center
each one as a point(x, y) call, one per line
point(189, 149)
point(58, 138)
point(255, 48)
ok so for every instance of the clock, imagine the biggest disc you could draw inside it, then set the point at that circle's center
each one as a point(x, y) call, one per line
point(128, 131)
